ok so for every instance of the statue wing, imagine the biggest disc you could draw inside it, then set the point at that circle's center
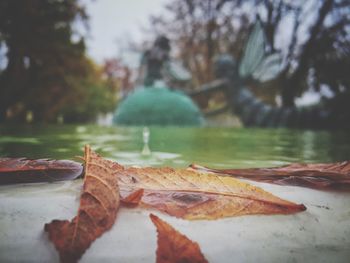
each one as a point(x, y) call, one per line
point(255, 62)
point(268, 68)
point(254, 51)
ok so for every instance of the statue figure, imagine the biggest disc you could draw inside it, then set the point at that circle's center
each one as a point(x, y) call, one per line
point(157, 65)
point(154, 59)
point(257, 65)
point(159, 103)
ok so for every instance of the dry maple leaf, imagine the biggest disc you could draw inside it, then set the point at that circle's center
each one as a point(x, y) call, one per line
point(99, 203)
point(174, 247)
point(326, 176)
point(193, 195)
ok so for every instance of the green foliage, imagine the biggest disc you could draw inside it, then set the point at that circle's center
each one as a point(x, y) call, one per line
point(48, 73)
point(94, 96)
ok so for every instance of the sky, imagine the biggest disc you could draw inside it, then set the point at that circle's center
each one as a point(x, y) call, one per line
point(112, 21)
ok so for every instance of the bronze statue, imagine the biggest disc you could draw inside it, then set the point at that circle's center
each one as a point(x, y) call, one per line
point(260, 66)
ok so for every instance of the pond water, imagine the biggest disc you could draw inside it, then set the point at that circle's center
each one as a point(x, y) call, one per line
point(178, 147)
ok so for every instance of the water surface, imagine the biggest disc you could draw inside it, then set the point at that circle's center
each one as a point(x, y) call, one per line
point(178, 147)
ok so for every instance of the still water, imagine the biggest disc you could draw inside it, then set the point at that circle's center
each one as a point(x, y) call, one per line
point(178, 147)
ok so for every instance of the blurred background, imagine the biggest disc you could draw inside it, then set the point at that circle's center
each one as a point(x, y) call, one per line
point(73, 61)
point(69, 66)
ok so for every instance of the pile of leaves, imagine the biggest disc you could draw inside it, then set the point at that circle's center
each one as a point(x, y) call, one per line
point(186, 194)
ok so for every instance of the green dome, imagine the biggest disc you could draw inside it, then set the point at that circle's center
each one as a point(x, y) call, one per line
point(157, 106)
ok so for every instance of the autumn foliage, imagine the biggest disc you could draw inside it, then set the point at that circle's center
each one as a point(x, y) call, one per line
point(182, 193)
point(193, 195)
point(23, 170)
point(174, 247)
point(99, 203)
point(323, 176)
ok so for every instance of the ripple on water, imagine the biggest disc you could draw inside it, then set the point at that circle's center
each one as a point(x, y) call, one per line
point(10, 139)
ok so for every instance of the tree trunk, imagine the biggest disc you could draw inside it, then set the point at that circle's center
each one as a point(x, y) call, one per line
point(292, 85)
point(288, 94)
point(210, 50)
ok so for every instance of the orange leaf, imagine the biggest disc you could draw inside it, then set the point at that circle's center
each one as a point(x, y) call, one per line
point(173, 247)
point(134, 198)
point(194, 195)
point(97, 212)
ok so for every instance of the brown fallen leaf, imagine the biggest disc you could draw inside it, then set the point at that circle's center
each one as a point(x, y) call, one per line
point(194, 195)
point(133, 199)
point(174, 247)
point(332, 176)
point(97, 212)
point(23, 170)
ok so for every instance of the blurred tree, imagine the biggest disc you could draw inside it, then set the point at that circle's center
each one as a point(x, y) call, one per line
point(47, 73)
point(200, 30)
point(319, 48)
point(118, 76)
point(92, 93)
point(313, 35)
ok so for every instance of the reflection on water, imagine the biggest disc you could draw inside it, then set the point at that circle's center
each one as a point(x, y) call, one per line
point(145, 135)
point(177, 147)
